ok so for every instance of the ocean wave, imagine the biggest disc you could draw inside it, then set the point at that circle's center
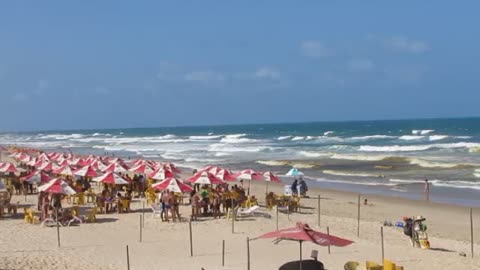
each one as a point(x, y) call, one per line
point(96, 134)
point(328, 133)
point(431, 164)
point(441, 183)
point(370, 137)
point(281, 138)
point(411, 137)
point(273, 162)
point(298, 138)
point(61, 136)
point(358, 157)
point(414, 148)
point(219, 147)
point(301, 165)
point(422, 131)
point(354, 174)
point(437, 137)
point(233, 136)
point(237, 140)
point(314, 154)
point(201, 138)
point(363, 183)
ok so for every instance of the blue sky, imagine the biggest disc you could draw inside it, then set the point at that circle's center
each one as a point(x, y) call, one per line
point(102, 64)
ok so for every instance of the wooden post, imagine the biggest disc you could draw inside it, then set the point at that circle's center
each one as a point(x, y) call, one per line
point(191, 238)
point(471, 230)
point(383, 250)
point(58, 227)
point(128, 259)
point(140, 227)
point(358, 217)
point(248, 253)
point(277, 216)
point(143, 213)
point(223, 252)
point(233, 219)
point(328, 233)
point(318, 210)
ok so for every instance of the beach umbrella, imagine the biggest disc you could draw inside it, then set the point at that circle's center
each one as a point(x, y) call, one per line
point(36, 177)
point(294, 172)
point(213, 169)
point(270, 177)
point(172, 184)
point(249, 175)
point(85, 171)
point(32, 162)
point(47, 166)
point(225, 175)
point(111, 178)
point(171, 167)
point(57, 186)
point(8, 168)
point(204, 178)
point(43, 157)
point(143, 169)
point(114, 167)
point(64, 170)
point(24, 158)
point(302, 232)
point(161, 174)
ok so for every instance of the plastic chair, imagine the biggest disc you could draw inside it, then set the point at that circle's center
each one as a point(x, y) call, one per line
point(92, 215)
point(388, 265)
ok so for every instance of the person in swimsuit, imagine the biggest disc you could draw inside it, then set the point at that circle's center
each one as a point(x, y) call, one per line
point(165, 206)
point(216, 205)
point(195, 205)
point(175, 207)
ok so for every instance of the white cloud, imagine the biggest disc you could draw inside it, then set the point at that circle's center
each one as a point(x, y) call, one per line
point(20, 96)
point(315, 49)
point(101, 90)
point(205, 76)
point(267, 73)
point(359, 65)
point(404, 44)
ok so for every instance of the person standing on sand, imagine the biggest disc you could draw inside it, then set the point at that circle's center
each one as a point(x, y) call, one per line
point(426, 190)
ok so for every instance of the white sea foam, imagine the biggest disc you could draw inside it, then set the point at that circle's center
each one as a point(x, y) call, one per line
point(236, 135)
point(281, 138)
point(201, 138)
point(273, 162)
point(220, 147)
point(237, 140)
point(353, 174)
point(298, 138)
point(422, 131)
point(413, 148)
point(437, 137)
point(314, 154)
point(61, 136)
point(431, 164)
point(441, 183)
point(370, 137)
point(363, 183)
point(358, 157)
point(411, 137)
point(328, 133)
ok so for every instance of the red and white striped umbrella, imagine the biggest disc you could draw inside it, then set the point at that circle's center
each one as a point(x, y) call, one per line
point(64, 170)
point(24, 158)
point(270, 177)
point(8, 168)
point(114, 167)
point(43, 157)
point(32, 162)
point(161, 174)
point(85, 171)
point(205, 178)
point(36, 177)
point(248, 175)
point(171, 167)
point(225, 175)
point(57, 186)
point(143, 169)
point(111, 178)
point(172, 184)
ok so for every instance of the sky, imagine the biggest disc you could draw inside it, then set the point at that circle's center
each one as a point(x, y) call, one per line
point(120, 64)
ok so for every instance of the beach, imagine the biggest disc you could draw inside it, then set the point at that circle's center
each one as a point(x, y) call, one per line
point(102, 245)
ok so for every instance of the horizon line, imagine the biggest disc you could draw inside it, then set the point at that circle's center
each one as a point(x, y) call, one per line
point(245, 124)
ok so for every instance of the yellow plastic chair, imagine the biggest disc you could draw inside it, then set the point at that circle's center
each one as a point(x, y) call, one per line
point(81, 198)
point(373, 266)
point(92, 215)
point(388, 265)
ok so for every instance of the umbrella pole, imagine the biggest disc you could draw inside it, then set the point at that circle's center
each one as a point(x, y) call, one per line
point(266, 189)
point(300, 255)
point(249, 183)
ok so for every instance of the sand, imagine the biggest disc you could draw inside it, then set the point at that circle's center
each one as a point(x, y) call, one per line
point(102, 245)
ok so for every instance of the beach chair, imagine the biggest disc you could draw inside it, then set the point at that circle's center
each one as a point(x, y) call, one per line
point(351, 265)
point(92, 215)
point(252, 211)
point(124, 206)
point(157, 210)
point(373, 266)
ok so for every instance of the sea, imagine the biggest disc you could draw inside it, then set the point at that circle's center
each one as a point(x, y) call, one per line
point(391, 158)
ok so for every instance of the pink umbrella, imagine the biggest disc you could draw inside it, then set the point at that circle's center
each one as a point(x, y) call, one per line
point(32, 162)
point(170, 166)
point(85, 171)
point(47, 166)
point(270, 177)
point(24, 158)
point(143, 169)
point(8, 168)
point(225, 175)
point(36, 177)
point(111, 178)
point(161, 174)
point(64, 170)
point(114, 167)
point(57, 186)
point(249, 175)
point(205, 178)
point(172, 184)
